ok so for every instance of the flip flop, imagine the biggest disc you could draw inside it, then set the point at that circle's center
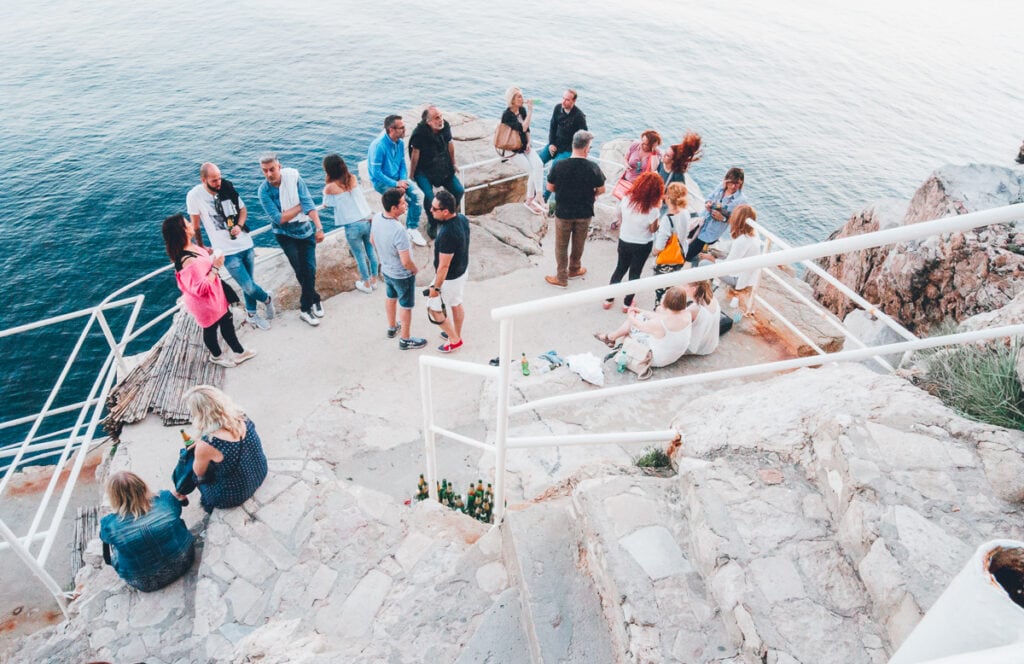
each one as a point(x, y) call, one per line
point(605, 339)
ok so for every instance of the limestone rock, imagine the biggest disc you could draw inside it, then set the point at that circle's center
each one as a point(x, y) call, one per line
point(922, 282)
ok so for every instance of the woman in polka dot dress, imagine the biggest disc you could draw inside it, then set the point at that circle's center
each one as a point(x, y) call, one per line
point(230, 464)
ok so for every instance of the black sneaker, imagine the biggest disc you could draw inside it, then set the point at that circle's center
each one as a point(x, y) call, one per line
point(392, 331)
point(411, 343)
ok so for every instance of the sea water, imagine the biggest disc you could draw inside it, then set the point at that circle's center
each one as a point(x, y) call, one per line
point(109, 107)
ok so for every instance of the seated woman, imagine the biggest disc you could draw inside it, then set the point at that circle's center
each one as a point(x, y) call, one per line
point(745, 243)
point(666, 330)
point(643, 155)
point(518, 115)
point(230, 464)
point(144, 539)
point(343, 193)
point(717, 210)
point(706, 312)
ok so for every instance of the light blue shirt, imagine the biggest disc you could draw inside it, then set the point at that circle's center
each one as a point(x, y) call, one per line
point(712, 229)
point(270, 198)
point(390, 237)
point(386, 161)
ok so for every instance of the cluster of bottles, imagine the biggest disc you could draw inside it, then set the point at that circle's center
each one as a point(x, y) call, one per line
point(477, 503)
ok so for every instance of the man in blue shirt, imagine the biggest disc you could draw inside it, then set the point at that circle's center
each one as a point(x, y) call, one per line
point(286, 200)
point(386, 163)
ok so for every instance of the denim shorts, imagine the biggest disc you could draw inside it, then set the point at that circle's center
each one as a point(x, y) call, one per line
point(403, 290)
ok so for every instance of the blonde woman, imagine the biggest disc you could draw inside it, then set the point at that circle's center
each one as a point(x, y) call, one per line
point(145, 539)
point(230, 464)
point(745, 244)
point(518, 115)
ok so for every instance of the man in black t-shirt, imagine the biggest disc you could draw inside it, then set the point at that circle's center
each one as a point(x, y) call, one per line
point(432, 160)
point(577, 181)
point(451, 260)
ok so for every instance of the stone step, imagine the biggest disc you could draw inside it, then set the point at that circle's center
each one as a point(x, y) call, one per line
point(636, 544)
point(762, 540)
point(563, 613)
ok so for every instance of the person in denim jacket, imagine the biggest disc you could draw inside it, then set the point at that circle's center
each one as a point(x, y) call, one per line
point(145, 539)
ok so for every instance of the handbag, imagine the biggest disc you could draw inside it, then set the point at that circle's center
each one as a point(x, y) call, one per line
point(182, 477)
point(624, 186)
point(672, 254)
point(507, 141)
point(638, 356)
point(432, 314)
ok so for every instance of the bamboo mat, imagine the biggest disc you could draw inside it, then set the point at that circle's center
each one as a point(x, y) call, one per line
point(176, 363)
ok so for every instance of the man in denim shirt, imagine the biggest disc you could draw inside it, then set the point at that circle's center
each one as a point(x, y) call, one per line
point(386, 162)
point(286, 200)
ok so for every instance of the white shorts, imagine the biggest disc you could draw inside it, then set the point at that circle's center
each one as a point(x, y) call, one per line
point(451, 292)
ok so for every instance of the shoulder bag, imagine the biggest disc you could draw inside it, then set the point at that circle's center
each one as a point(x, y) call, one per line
point(507, 140)
point(672, 254)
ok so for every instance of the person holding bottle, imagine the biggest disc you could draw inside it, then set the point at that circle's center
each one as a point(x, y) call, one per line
point(519, 115)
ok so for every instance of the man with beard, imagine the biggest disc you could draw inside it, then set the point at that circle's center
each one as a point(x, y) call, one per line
point(432, 161)
point(216, 204)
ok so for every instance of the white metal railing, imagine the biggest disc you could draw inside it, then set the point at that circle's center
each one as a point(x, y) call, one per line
point(72, 444)
point(506, 316)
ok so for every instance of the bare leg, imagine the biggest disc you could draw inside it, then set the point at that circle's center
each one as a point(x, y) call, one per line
point(458, 315)
point(622, 331)
point(390, 305)
point(405, 318)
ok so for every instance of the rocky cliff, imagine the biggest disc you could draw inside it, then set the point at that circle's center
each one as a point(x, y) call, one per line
point(924, 282)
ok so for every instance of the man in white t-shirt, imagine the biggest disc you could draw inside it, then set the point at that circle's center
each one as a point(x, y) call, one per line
point(222, 212)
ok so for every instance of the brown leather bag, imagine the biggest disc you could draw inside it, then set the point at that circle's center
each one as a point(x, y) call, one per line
point(507, 140)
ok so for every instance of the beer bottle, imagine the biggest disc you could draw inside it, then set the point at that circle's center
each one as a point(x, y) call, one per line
point(186, 439)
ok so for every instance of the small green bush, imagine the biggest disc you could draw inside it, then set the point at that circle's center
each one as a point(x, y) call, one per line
point(979, 382)
point(653, 458)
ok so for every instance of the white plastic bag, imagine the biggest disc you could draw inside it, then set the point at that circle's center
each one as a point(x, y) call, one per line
point(588, 366)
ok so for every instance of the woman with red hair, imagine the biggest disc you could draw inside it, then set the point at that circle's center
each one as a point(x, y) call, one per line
point(639, 212)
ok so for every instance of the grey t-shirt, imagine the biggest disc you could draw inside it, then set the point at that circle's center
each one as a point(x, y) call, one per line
point(390, 237)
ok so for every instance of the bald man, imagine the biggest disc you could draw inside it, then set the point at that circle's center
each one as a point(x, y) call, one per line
point(217, 206)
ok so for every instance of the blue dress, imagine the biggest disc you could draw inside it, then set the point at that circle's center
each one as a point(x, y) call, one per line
point(233, 480)
point(152, 550)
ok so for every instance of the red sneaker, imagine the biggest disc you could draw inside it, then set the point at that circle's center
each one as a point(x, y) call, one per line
point(449, 347)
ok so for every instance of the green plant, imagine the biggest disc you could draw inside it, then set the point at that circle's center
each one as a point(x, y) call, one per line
point(979, 382)
point(653, 458)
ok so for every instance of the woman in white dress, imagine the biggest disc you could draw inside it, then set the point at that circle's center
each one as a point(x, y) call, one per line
point(745, 243)
point(666, 330)
point(705, 311)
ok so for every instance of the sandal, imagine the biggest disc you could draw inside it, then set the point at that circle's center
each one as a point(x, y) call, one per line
point(605, 339)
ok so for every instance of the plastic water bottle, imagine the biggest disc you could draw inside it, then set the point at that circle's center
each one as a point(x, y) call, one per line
point(524, 365)
point(621, 360)
point(734, 304)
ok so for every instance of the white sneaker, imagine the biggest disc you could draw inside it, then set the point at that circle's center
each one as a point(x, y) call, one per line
point(223, 361)
point(374, 285)
point(309, 318)
point(257, 321)
point(246, 355)
point(362, 287)
point(318, 310)
point(269, 311)
point(416, 237)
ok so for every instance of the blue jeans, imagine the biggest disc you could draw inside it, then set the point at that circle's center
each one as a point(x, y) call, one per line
point(358, 235)
point(414, 196)
point(452, 185)
point(240, 267)
point(301, 254)
point(545, 157)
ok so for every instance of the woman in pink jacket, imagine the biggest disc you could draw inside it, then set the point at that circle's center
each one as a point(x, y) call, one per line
point(196, 272)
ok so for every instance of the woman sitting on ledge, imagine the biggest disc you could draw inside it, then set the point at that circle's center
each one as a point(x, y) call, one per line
point(745, 244)
point(145, 539)
point(666, 330)
point(706, 313)
point(230, 464)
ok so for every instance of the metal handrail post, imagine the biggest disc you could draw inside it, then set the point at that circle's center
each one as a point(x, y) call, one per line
point(36, 568)
point(114, 347)
point(757, 279)
point(501, 426)
point(83, 451)
point(429, 439)
point(49, 402)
